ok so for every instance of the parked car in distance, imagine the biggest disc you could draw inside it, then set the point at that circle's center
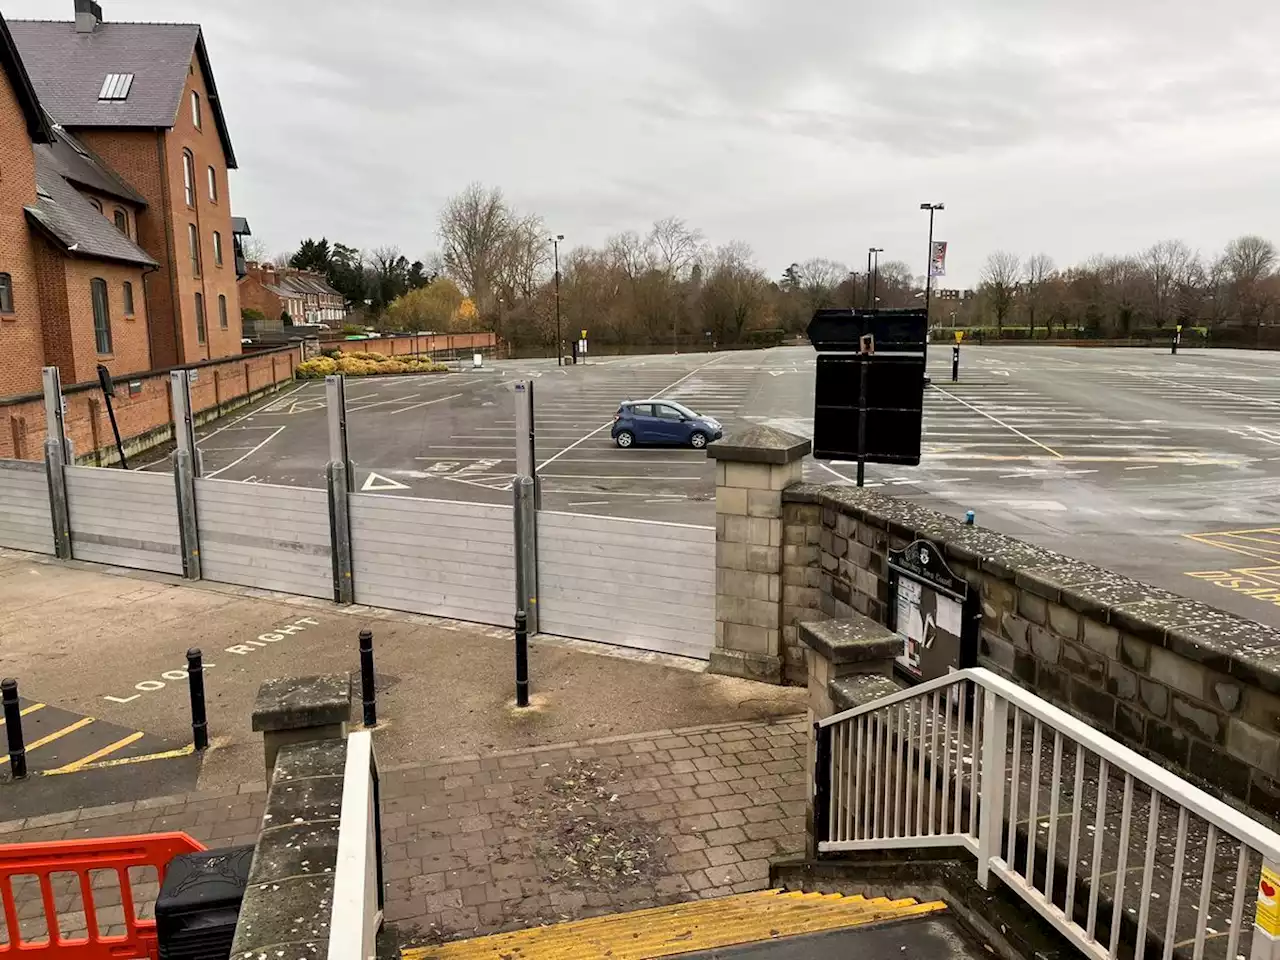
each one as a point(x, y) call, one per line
point(663, 422)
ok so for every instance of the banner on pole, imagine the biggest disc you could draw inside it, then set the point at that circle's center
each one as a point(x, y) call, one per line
point(938, 259)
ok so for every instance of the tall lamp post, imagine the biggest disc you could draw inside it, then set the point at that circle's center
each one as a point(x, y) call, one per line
point(928, 264)
point(555, 243)
point(875, 275)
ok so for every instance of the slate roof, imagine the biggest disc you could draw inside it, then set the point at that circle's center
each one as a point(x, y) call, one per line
point(67, 70)
point(77, 163)
point(240, 227)
point(12, 66)
point(63, 214)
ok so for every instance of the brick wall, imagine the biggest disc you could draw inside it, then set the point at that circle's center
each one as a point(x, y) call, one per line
point(142, 405)
point(21, 343)
point(1187, 684)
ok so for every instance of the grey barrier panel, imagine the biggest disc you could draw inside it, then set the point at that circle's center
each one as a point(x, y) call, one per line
point(436, 557)
point(274, 538)
point(26, 522)
point(633, 583)
point(124, 518)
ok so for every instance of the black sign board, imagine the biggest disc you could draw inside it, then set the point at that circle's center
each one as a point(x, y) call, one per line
point(936, 613)
point(834, 330)
point(894, 404)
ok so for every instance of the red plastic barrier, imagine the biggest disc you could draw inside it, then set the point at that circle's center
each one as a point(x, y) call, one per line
point(80, 857)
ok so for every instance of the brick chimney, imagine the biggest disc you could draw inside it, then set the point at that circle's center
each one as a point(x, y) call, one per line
point(88, 16)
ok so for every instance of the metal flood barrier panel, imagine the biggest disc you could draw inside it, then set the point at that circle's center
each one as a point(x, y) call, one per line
point(257, 535)
point(25, 521)
point(124, 518)
point(436, 557)
point(633, 583)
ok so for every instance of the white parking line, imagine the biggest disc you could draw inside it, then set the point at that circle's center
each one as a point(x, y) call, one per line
point(274, 434)
point(993, 419)
point(425, 403)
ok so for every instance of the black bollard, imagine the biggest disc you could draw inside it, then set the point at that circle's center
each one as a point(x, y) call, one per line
point(522, 660)
point(368, 690)
point(1175, 345)
point(13, 726)
point(955, 363)
point(195, 680)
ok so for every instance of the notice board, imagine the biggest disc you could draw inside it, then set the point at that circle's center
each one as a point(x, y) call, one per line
point(935, 612)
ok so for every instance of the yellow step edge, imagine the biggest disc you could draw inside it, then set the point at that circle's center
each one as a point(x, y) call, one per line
point(682, 928)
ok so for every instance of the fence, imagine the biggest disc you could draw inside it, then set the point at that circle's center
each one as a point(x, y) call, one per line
point(357, 877)
point(85, 894)
point(634, 583)
point(1049, 805)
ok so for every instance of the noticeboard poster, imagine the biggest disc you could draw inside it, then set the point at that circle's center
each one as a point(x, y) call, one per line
point(932, 611)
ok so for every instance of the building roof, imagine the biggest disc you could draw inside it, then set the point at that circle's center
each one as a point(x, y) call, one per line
point(240, 227)
point(12, 66)
point(68, 69)
point(77, 163)
point(65, 216)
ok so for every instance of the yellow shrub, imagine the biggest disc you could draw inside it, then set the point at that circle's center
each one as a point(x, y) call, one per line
point(316, 368)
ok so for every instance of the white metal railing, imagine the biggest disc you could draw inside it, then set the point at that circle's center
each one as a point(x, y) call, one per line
point(971, 760)
point(357, 877)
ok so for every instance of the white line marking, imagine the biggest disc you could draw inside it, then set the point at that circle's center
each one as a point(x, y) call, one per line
point(425, 403)
point(376, 481)
point(276, 433)
point(614, 476)
point(590, 503)
point(983, 413)
point(1152, 467)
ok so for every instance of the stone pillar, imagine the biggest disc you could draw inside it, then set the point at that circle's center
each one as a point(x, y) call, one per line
point(752, 469)
point(299, 710)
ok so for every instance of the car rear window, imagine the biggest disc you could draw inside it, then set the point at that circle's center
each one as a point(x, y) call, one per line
point(642, 409)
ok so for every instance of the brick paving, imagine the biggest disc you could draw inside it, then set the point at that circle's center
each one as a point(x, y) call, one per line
point(482, 844)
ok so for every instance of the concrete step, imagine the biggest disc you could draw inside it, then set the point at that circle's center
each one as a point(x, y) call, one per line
point(684, 928)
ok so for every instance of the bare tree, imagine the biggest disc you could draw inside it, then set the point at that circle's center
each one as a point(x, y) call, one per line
point(676, 248)
point(475, 227)
point(254, 249)
point(734, 298)
point(1167, 265)
point(1035, 274)
point(1000, 283)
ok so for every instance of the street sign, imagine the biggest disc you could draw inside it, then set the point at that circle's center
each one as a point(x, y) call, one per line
point(894, 405)
point(895, 331)
point(935, 612)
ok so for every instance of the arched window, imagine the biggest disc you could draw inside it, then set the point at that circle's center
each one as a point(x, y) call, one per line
point(122, 221)
point(201, 333)
point(189, 177)
point(217, 248)
point(6, 293)
point(128, 299)
point(195, 110)
point(213, 185)
point(222, 311)
point(101, 315)
point(96, 204)
point(193, 244)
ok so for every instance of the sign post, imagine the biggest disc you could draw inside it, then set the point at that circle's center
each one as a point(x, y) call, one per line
point(955, 357)
point(935, 612)
point(1177, 336)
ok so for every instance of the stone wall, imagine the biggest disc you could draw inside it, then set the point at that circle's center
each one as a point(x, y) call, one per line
point(1187, 684)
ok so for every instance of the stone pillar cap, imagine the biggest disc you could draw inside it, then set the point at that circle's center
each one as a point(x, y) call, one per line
point(760, 444)
point(297, 703)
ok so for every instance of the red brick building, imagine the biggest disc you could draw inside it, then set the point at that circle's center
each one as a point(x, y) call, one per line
point(304, 295)
point(142, 98)
point(72, 279)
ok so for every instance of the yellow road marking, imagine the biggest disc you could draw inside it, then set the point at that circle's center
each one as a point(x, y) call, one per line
point(1219, 539)
point(99, 754)
point(31, 709)
point(56, 735)
point(125, 761)
point(683, 928)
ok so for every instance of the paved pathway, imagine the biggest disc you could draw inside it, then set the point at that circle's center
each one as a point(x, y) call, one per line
point(489, 843)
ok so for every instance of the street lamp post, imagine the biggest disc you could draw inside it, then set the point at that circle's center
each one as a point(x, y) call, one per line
point(870, 250)
point(555, 243)
point(875, 273)
point(928, 264)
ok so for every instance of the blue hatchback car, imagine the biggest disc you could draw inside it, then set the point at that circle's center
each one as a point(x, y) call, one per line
point(663, 422)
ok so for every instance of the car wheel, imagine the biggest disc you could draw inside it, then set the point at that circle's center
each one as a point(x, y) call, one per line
point(625, 439)
point(698, 440)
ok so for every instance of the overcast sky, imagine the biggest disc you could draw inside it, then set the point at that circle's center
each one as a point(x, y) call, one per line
point(805, 128)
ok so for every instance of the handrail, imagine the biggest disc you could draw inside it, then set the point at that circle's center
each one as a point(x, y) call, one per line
point(1259, 837)
point(357, 876)
point(1100, 841)
point(81, 858)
